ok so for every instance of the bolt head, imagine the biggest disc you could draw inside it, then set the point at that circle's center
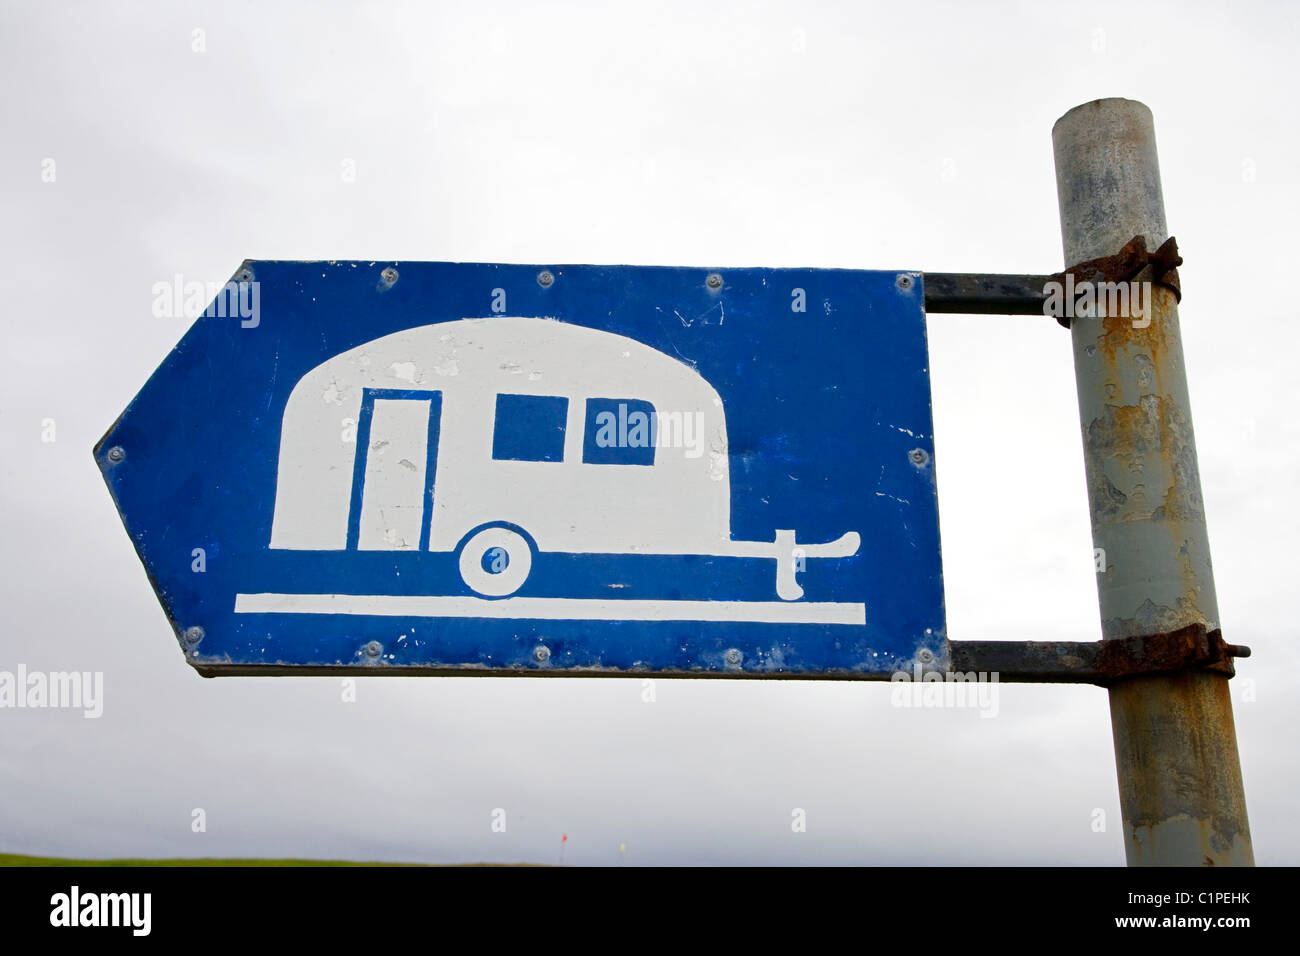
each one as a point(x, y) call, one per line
point(390, 274)
point(374, 649)
point(545, 278)
point(193, 634)
point(918, 456)
point(116, 453)
point(541, 654)
point(734, 657)
point(714, 281)
point(925, 655)
point(904, 281)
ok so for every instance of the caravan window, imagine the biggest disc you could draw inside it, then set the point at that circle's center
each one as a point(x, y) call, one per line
point(619, 431)
point(529, 428)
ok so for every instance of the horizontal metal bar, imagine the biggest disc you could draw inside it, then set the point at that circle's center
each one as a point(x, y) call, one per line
point(1097, 662)
point(1032, 662)
point(985, 294)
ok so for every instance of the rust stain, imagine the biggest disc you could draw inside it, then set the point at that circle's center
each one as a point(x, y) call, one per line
point(1144, 432)
point(1180, 767)
point(1119, 334)
point(1156, 478)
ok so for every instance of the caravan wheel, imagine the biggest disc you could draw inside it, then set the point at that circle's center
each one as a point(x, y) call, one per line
point(495, 561)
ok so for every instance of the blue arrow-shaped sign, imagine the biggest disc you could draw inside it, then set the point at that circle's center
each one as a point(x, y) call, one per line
point(443, 468)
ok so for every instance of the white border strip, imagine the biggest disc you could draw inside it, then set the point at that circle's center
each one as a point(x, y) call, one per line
point(554, 609)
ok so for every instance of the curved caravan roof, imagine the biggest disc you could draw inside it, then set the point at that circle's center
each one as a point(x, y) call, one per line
point(469, 361)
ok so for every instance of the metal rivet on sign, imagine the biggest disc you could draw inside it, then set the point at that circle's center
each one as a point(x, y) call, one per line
point(374, 649)
point(904, 281)
point(116, 453)
point(734, 657)
point(714, 281)
point(918, 456)
point(545, 278)
point(542, 654)
point(193, 634)
point(244, 275)
point(390, 275)
point(925, 655)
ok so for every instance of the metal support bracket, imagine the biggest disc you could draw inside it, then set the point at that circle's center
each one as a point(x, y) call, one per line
point(993, 294)
point(1098, 662)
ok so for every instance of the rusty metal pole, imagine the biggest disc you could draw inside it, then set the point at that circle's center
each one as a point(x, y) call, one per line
point(1180, 785)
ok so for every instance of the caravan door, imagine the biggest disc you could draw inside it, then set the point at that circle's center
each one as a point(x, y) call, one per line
point(394, 470)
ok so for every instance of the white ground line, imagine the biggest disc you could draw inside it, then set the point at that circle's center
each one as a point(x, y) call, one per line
point(554, 609)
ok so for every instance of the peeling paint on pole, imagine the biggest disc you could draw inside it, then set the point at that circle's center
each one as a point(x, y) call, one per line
point(1143, 483)
point(1180, 777)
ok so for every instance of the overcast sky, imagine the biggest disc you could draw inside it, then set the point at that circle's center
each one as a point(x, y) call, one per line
point(875, 136)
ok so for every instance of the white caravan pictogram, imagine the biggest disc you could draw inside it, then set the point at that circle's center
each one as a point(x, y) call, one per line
point(476, 437)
